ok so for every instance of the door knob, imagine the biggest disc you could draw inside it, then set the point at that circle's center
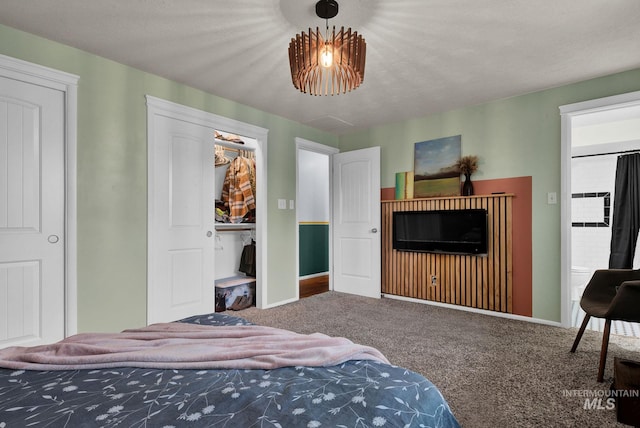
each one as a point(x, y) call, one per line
point(374, 230)
point(209, 234)
point(53, 239)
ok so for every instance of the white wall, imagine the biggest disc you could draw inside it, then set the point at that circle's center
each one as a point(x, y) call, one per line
point(590, 245)
point(228, 247)
point(313, 200)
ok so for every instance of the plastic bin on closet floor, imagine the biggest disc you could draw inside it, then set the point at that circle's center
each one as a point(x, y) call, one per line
point(229, 289)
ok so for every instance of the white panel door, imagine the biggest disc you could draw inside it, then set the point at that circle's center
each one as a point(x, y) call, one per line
point(356, 222)
point(31, 214)
point(181, 266)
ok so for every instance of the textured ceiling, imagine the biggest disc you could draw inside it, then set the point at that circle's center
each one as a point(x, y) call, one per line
point(423, 56)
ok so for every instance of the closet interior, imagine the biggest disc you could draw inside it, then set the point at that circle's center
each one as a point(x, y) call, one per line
point(235, 220)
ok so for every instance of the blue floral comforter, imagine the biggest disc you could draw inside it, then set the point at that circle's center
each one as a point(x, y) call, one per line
point(354, 394)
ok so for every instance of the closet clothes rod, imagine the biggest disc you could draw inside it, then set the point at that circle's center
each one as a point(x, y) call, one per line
point(243, 152)
point(619, 153)
point(229, 229)
point(231, 149)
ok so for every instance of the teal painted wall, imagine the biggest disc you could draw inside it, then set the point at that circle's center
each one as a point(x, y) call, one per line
point(314, 248)
point(112, 178)
point(513, 137)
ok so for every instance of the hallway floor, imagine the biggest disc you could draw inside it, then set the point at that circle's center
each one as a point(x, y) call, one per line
point(316, 285)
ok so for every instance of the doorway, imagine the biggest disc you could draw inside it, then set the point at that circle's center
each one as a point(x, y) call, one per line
point(181, 193)
point(313, 215)
point(594, 134)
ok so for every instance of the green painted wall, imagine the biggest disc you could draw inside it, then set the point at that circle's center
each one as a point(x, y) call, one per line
point(314, 248)
point(112, 178)
point(514, 137)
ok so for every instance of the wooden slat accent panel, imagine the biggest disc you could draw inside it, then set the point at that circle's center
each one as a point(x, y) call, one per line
point(483, 282)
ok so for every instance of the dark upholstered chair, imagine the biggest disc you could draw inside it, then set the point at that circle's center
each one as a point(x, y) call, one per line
point(612, 294)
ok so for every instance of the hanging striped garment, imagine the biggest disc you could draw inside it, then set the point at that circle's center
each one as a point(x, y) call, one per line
point(238, 190)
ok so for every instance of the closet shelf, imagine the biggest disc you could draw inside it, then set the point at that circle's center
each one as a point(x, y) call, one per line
point(234, 281)
point(235, 226)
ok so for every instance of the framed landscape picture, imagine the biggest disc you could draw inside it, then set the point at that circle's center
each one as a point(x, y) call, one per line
point(434, 169)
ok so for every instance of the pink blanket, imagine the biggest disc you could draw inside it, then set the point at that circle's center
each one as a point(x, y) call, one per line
point(189, 346)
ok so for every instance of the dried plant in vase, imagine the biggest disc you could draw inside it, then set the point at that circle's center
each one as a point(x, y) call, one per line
point(467, 165)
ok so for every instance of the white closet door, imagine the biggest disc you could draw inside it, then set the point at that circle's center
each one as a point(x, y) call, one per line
point(181, 265)
point(31, 214)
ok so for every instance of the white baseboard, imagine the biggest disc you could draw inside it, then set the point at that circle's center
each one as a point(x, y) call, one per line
point(280, 303)
point(313, 275)
point(475, 310)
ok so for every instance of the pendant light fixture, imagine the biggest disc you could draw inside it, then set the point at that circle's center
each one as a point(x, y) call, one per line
point(327, 65)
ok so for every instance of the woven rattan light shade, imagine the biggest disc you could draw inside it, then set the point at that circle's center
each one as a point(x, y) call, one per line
point(346, 72)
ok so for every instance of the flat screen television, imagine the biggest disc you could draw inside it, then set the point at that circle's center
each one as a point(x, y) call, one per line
point(441, 231)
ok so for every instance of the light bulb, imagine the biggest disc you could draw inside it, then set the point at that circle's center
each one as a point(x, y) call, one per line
point(326, 56)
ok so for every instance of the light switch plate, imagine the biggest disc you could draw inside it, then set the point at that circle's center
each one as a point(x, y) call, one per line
point(292, 205)
point(552, 198)
point(282, 204)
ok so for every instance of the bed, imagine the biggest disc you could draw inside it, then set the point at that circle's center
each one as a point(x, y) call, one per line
point(354, 393)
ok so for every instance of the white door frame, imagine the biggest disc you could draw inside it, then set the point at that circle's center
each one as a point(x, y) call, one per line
point(68, 84)
point(567, 114)
point(157, 106)
point(302, 144)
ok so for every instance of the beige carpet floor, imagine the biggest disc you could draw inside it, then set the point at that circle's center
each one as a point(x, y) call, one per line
point(494, 372)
